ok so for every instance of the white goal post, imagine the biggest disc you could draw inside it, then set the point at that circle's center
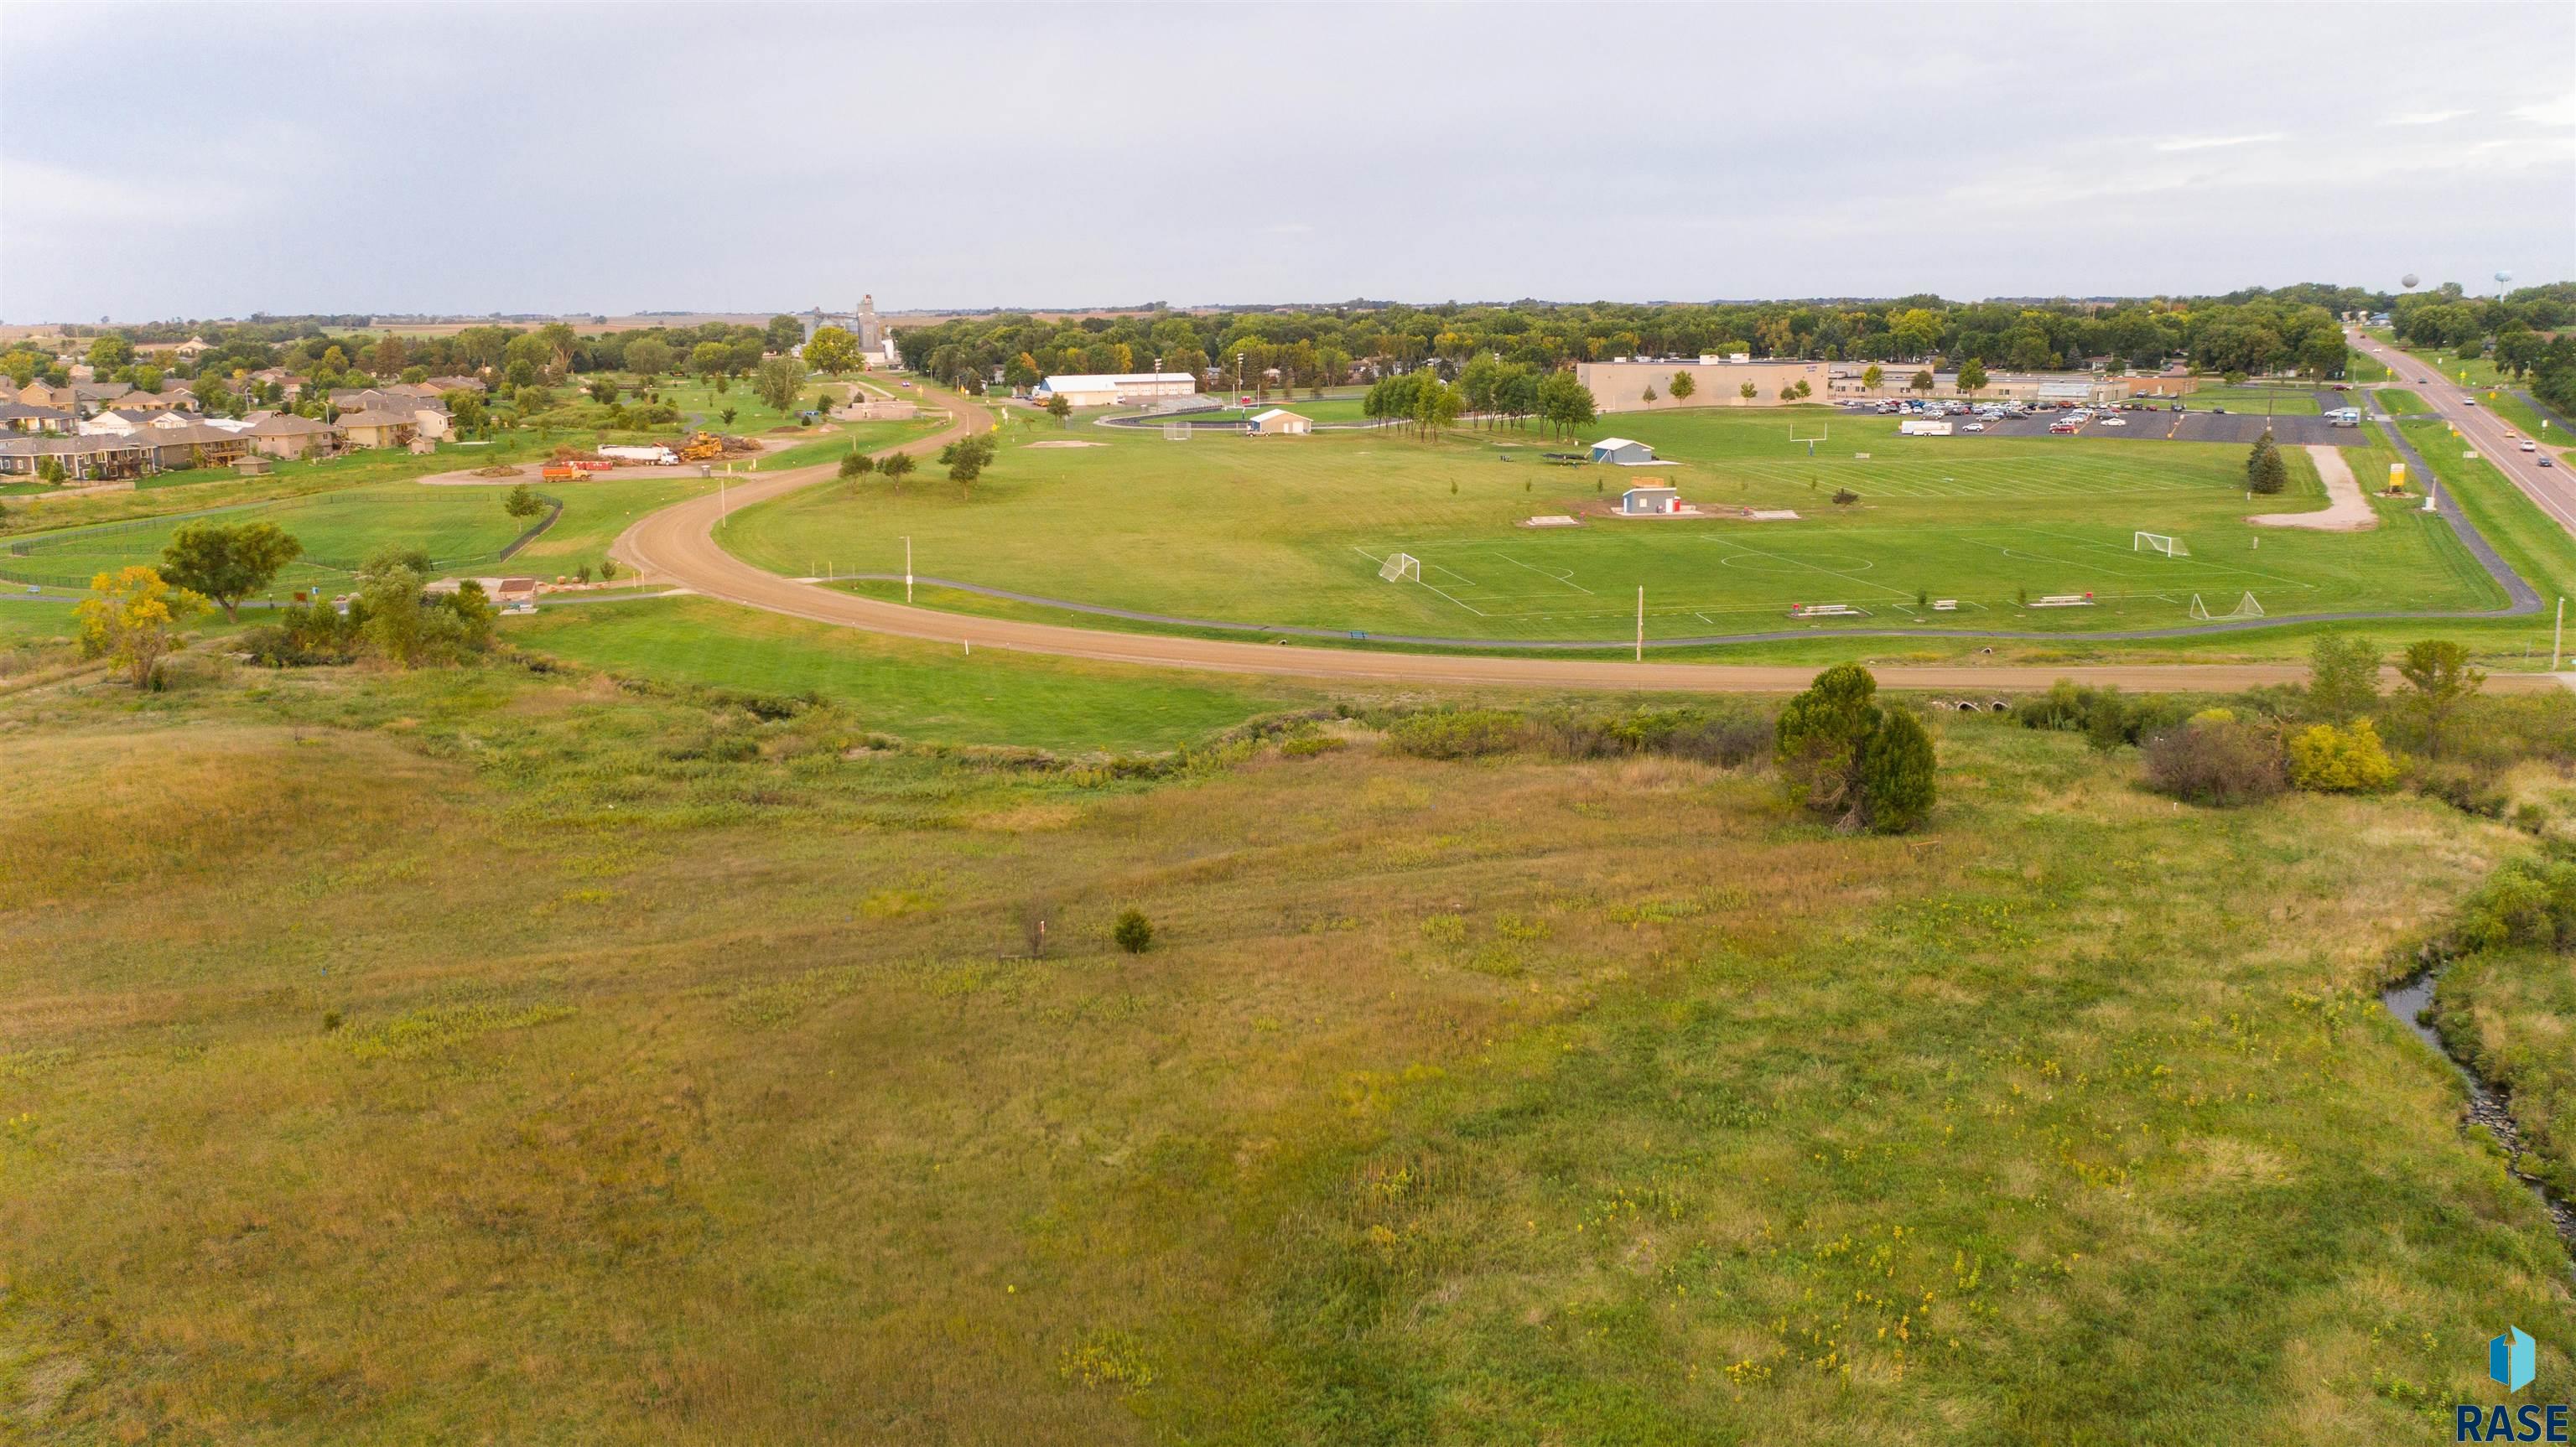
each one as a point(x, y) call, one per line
point(2245, 607)
point(2171, 547)
point(1400, 566)
point(1176, 432)
point(1823, 430)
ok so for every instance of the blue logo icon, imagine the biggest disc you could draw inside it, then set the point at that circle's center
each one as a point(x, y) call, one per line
point(2510, 1359)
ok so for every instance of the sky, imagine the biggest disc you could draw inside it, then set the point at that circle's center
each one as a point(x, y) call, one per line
point(456, 158)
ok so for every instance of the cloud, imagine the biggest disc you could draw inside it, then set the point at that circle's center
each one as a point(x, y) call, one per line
point(2213, 143)
point(2559, 112)
point(2423, 118)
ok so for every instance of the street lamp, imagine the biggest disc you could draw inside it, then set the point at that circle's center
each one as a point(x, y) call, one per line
point(1240, 405)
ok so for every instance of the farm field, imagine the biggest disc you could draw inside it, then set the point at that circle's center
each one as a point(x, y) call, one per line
point(1296, 531)
point(572, 1062)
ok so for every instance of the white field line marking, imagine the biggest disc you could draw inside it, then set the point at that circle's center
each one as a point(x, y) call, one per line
point(1801, 562)
point(1565, 575)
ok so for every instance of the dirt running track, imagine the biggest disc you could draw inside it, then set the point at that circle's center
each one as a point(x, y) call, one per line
point(677, 545)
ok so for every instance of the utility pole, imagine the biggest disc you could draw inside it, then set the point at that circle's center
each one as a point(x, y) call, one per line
point(2558, 635)
point(1641, 622)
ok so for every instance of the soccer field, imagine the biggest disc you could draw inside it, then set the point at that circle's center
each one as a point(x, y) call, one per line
point(1295, 531)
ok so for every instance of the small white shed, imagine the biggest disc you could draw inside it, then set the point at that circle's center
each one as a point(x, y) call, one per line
point(1622, 452)
point(1280, 422)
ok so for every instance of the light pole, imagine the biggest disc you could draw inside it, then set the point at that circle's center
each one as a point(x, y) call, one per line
point(1240, 405)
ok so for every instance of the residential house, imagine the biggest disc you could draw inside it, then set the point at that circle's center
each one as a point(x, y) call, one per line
point(83, 459)
point(155, 401)
point(376, 427)
point(17, 416)
point(285, 435)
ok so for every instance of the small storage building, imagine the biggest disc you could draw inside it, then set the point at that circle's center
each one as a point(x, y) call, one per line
point(1654, 498)
point(1622, 452)
point(1280, 422)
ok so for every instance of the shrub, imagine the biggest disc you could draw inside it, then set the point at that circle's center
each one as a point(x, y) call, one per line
point(2104, 716)
point(2214, 760)
point(302, 637)
point(1842, 754)
point(2525, 902)
point(858, 464)
point(2463, 788)
point(2325, 759)
point(1133, 932)
point(1464, 734)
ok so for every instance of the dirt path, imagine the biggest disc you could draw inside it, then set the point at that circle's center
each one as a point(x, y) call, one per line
point(2346, 510)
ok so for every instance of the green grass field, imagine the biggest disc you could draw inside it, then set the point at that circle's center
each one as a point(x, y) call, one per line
point(483, 1053)
point(1294, 531)
point(2285, 400)
point(463, 529)
point(2397, 401)
point(899, 686)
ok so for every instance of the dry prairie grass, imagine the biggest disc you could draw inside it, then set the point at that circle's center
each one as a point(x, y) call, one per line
point(479, 1056)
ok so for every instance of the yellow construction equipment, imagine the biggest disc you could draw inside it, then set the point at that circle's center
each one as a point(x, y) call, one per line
point(701, 447)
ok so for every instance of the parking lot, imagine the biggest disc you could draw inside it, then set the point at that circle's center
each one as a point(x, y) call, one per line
point(2196, 425)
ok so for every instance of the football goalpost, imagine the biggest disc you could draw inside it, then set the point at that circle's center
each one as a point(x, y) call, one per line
point(1400, 566)
point(1822, 429)
point(2158, 542)
point(2245, 607)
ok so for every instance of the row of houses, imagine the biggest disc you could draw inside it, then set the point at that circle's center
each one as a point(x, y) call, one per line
point(82, 399)
point(119, 444)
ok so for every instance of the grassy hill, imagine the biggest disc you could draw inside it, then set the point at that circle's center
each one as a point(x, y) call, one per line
point(499, 1053)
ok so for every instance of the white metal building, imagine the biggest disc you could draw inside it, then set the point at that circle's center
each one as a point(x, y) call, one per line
point(1622, 452)
point(1110, 389)
point(1280, 422)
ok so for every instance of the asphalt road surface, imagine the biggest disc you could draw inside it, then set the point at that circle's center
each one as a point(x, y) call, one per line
point(2480, 428)
point(677, 545)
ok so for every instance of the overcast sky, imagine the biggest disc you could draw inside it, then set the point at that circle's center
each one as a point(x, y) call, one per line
point(215, 160)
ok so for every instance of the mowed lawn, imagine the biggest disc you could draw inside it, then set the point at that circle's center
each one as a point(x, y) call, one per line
point(901, 686)
point(480, 1054)
point(1295, 531)
point(463, 529)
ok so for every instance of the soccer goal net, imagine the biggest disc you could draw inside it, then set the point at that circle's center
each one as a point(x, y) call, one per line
point(1176, 432)
point(1401, 566)
point(2245, 607)
point(2158, 543)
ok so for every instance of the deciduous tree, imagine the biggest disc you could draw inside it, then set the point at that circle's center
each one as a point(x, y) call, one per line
point(227, 562)
point(777, 381)
point(832, 351)
point(132, 619)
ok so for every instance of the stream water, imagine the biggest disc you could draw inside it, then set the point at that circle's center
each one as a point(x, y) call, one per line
point(2409, 999)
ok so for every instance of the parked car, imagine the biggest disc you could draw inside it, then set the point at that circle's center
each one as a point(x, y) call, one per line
point(2063, 426)
point(2115, 421)
point(1974, 427)
point(2175, 407)
point(2219, 411)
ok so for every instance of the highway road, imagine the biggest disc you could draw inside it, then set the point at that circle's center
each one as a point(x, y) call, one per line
point(2550, 488)
point(679, 546)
